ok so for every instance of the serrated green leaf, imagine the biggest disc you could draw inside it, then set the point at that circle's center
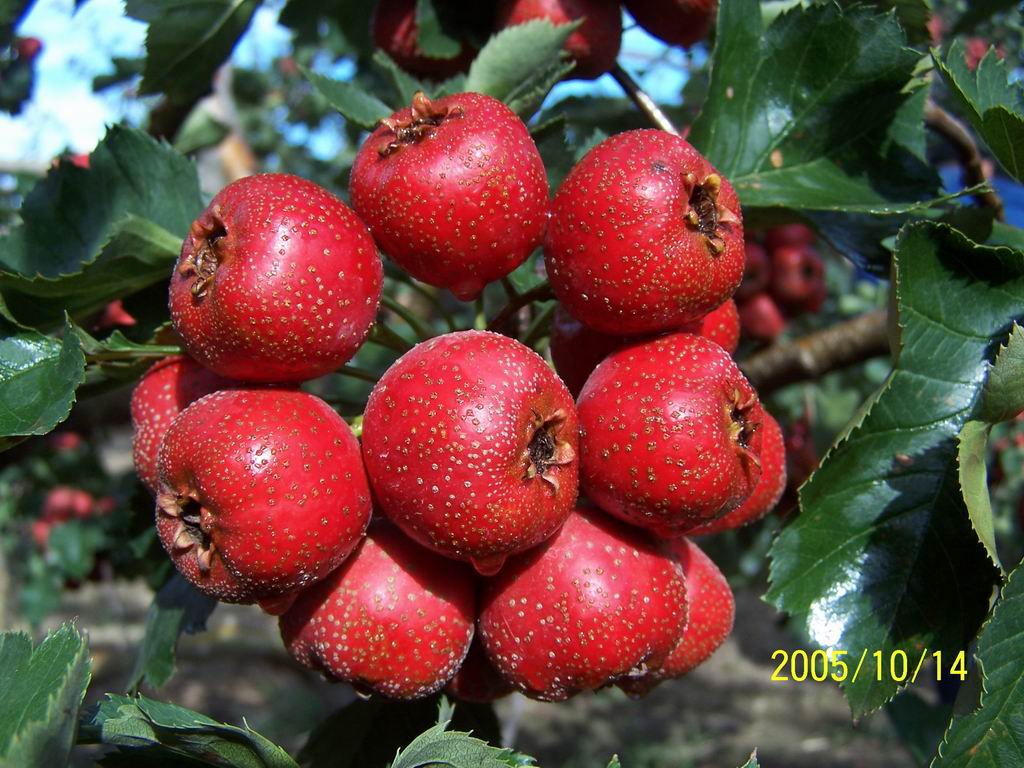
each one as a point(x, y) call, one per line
point(785, 117)
point(173, 733)
point(405, 85)
point(1003, 397)
point(516, 54)
point(355, 104)
point(883, 527)
point(200, 130)
point(974, 484)
point(178, 607)
point(913, 15)
point(919, 724)
point(994, 106)
point(38, 378)
point(453, 749)
point(435, 38)
point(187, 41)
point(527, 98)
point(40, 693)
point(993, 735)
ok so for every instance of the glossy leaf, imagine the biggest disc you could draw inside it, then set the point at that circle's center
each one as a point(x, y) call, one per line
point(187, 41)
point(786, 118)
point(515, 56)
point(454, 749)
point(178, 607)
point(404, 84)
point(434, 37)
point(994, 106)
point(971, 461)
point(145, 729)
point(355, 105)
point(883, 528)
point(40, 693)
point(38, 378)
point(1003, 397)
point(993, 735)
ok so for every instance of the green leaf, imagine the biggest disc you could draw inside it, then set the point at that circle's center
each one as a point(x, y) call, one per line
point(913, 15)
point(40, 693)
point(405, 85)
point(200, 130)
point(785, 118)
point(370, 732)
point(132, 206)
point(994, 106)
point(146, 729)
point(187, 41)
point(453, 749)
point(178, 607)
point(355, 104)
point(614, 762)
point(527, 98)
point(38, 378)
point(883, 528)
point(752, 762)
point(1003, 397)
point(993, 735)
point(974, 484)
point(919, 724)
point(72, 547)
point(434, 34)
point(516, 55)
point(124, 70)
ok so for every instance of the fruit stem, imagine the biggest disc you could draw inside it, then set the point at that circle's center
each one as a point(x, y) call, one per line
point(133, 354)
point(427, 293)
point(357, 426)
point(383, 336)
point(540, 326)
point(480, 319)
point(421, 329)
point(540, 292)
point(510, 290)
point(355, 372)
point(642, 100)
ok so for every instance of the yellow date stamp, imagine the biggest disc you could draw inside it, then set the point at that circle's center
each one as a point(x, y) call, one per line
point(839, 666)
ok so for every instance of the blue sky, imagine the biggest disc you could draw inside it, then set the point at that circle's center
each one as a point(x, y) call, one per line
point(64, 113)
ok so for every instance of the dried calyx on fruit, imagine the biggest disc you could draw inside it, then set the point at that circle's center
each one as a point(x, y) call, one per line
point(424, 117)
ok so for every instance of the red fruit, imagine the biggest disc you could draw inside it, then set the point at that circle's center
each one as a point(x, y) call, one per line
point(115, 315)
point(278, 281)
point(712, 610)
point(470, 443)
point(594, 45)
point(28, 47)
point(576, 349)
point(798, 276)
point(477, 680)
point(670, 434)
point(262, 492)
point(801, 454)
point(769, 488)
point(164, 391)
point(395, 619)
point(645, 236)
point(721, 325)
point(64, 503)
point(789, 235)
point(757, 272)
point(761, 319)
point(677, 22)
point(40, 531)
point(454, 191)
point(597, 603)
point(975, 50)
point(394, 30)
point(63, 442)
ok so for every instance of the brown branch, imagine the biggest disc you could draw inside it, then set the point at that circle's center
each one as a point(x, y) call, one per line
point(642, 100)
point(956, 133)
point(831, 349)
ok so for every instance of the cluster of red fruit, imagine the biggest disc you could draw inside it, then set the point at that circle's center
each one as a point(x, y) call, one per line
point(784, 278)
point(593, 46)
point(473, 449)
point(63, 504)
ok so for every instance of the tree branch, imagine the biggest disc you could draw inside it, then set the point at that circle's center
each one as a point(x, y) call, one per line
point(831, 349)
point(541, 292)
point(642, 100)
point(956, 133)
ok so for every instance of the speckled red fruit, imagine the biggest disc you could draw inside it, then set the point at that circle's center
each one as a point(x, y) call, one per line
point(769, 488)
point(712, 611)
point(277, 281)
point(262, 492)
point(644, 236)
point(757, 272)
point(164, 391)
point(594, 46)
point(395, 619)
point(394, 30)
point(576, 349)
point(792, 235)
point(677, 22)
point(761, 319)
point(477, 680)
point(470, 443)
point(798, 276)
point(670, 434)
point(453, 190)
point(597, 603)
